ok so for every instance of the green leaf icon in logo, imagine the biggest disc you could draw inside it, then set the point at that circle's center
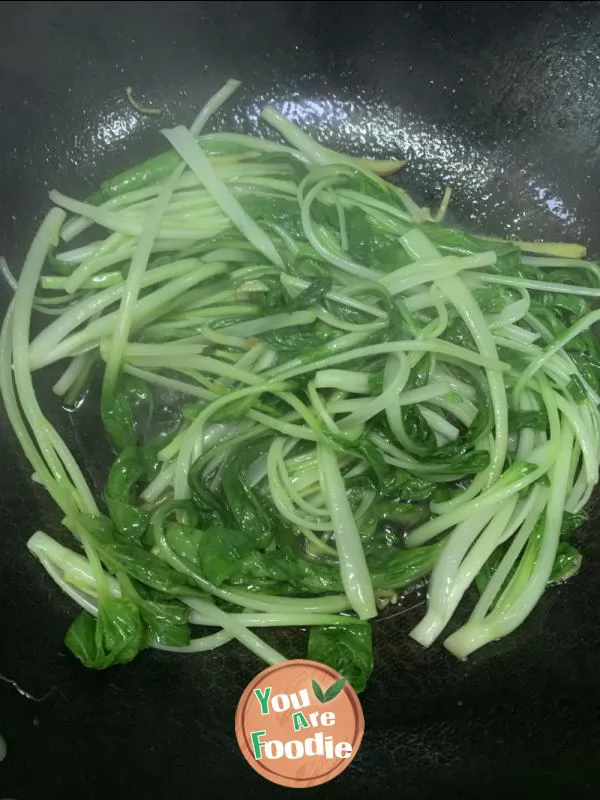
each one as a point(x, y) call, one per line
point(330, 693)
point(318, 692)
point(334, 690)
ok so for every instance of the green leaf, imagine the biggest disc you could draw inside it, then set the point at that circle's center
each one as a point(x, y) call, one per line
point(126, 412)
point(166, 619)
point(277, 299)
point(313, 295)
point(127, 470)
point(308, 265)
point(346, 648)
point(362, 447)
point(566, 563)
point(184, 540)
point(485, 574)
point(167, 625)
point(278, 210)
point(386, 521)
point(249, 513)
point(400, 483)
point(370, 245)
point(81, 639)
point(333, 691)
point(115, 637)
point(536, 420)
point(235, 505)
point(144, 566)
point(400, 566)
point(131, 557)
point(298, 338)
point(318, 692)
point(493, 299)
point(129, 520)
point(210, 504)
point(571, 522)
point(227, 555)
point(418, 430)
point(577, 390)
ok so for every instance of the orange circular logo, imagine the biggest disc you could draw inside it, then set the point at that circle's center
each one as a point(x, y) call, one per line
point(299, 723)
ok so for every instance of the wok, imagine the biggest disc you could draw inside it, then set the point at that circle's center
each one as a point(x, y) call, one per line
point(498, 99)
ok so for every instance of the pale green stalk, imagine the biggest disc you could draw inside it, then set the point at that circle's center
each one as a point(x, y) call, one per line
point(354, 571)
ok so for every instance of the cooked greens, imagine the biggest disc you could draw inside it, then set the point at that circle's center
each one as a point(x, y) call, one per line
point(316, 392)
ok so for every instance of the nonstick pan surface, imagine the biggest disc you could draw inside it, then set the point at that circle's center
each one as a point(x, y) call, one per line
point(500, 100)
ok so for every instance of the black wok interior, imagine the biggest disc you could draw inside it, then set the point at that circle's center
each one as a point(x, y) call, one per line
point(499, 99)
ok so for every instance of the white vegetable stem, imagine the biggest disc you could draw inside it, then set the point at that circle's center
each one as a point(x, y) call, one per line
point(233, 626)
point(512, 611)
point(354, 571)
point(54, 451)
point(191, 152)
